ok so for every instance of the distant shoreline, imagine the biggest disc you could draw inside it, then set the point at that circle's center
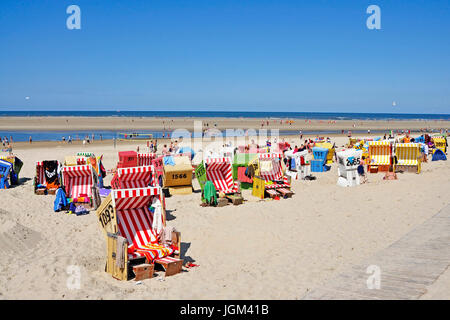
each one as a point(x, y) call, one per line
point(161, 114)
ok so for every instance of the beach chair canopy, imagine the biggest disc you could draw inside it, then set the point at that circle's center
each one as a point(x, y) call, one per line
point(16, 167)
point(85, 154)
point(270, 168)
point(407, 154)
point(438, 155)
point(440, 143)
point(134, 177)
point(145, 159)
point(138, 224)
point(78, 180)
point(320, 153)
point(379, 153)
point(219, 172)
point(349, 159)
point(75, 160)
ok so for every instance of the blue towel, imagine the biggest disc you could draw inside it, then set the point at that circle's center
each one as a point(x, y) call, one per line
point(168, 161)
point(60, 200)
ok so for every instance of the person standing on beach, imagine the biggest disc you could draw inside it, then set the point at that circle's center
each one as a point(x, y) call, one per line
point(31, 140)
point(69, 140)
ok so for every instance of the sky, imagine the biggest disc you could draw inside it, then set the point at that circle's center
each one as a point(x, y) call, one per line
point(233, 55)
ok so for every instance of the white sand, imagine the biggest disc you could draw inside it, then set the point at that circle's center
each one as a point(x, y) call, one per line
point(259, 250)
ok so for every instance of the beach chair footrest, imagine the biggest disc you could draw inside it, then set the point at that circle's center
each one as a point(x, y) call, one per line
point(222, 202)
point(143, 271)
point(272, 193)
point(236, 199)
point(170, 265)
point(286, 193)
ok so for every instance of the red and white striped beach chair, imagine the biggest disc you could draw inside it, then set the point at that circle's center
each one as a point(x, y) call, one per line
point(134, 177)
point(145, 159)
point(220, 172)
point(126, 213)
point(79, 180)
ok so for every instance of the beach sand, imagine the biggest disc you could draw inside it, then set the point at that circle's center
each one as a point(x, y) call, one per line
point(258, 250)
point(160, 123)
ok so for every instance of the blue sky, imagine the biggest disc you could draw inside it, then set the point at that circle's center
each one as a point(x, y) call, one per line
point(226, 55)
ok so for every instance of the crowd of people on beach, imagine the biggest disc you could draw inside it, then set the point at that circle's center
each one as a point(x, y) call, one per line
point(87, 139)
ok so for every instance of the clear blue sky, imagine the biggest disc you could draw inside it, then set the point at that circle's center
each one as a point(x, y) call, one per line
point(226, 55)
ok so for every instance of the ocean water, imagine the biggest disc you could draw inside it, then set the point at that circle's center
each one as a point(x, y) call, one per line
point(232, 114)
point(110, 134)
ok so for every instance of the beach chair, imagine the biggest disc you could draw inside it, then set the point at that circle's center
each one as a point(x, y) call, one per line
point(134, 177)
point(301, 169)
point(331, 151)
point(178, 177)
point(145, 159)
point(440, 143)
point(348, 162)
point(269, 178)
point(380, 155)
point(75, 161)
point(16, 167)
point(48, 175)
point(5, 171)
point(318, 164)
point(240, 163)
point(132, 232)
point(220, 172)
point(80, 182)
point(408, 157)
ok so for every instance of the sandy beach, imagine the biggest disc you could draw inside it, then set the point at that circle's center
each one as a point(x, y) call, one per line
point(258, 250)
point(168, 124)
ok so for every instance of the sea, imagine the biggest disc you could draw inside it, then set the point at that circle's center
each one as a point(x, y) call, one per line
point(39, 135)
